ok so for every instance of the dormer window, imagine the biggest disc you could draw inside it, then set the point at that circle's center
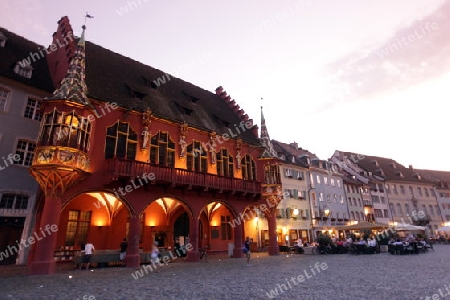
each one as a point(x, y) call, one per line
point(183, 110)
point(191, 98)
point(3, 40)
point(380, 172)
point(305, 159)
point(150, 83)
point(399, 173)
point(375, 162)
point(23, 69)
point(393, 165)
point(138, 95)
point(153, 85)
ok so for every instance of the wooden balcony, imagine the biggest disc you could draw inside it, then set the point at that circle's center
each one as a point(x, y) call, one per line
point(129, 169)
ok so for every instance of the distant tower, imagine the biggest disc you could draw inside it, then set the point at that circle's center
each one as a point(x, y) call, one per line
point(265, 139)
point(271, 188)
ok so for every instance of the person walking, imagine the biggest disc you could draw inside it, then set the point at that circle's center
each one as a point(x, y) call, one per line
point(88, 250)
point(123, 251)
point(155, 252)
point(246, 249)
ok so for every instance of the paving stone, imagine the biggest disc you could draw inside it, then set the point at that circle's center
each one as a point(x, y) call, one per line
point(360, 277)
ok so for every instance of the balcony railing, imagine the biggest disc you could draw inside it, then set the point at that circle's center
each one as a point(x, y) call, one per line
point(117, 168)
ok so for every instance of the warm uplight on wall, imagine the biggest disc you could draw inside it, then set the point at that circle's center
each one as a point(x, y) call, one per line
point(284, 230)
point(214, 223)
point(100, 222)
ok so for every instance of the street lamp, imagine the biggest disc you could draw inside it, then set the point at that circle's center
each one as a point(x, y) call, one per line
point(325, 212)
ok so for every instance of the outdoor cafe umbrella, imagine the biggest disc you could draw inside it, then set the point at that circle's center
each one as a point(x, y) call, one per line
point(444, 229)
point(366, 225)
point(409, 227)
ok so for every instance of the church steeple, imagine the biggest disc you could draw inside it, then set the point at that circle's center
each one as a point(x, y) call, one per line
point(73, 86)
point(269, 152)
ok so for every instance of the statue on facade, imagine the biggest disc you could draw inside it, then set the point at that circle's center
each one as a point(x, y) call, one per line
point(182, 142)
point(145, 138)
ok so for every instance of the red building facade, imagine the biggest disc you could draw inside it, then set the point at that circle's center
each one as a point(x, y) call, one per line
point(120, 156)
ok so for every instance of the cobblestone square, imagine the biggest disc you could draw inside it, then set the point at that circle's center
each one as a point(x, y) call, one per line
point(346, 276)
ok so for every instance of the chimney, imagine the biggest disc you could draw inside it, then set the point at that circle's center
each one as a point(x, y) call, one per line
point(295, 145)
point(254, 129)
point(410, 167)
point(219, 90)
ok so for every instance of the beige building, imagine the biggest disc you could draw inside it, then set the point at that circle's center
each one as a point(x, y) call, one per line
point(294, 214)
point(410, 196)
point(442, 192)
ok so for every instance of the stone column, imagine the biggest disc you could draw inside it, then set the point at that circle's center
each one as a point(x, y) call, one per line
point(133, 258)
point(193, 255)
point(238, 241)
point(273, 244)
point(45, 236)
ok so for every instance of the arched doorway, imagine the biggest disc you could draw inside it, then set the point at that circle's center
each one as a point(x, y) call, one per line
point(181, 229)
point(167, 221)
point(96, 216)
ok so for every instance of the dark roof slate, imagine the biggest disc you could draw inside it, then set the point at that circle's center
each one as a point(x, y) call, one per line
point(436, 176)
point(111, 77)
point(290, 151)
point(391, 168)
point(18, 48)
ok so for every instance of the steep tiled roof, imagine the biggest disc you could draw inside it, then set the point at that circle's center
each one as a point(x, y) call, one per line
point(290, 151)
point(436, 176)
point(112, 77)
point(387, 168)
point(18, 48)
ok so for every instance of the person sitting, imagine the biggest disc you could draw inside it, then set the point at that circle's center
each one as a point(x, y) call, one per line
point(372, 243)
point(299, 246)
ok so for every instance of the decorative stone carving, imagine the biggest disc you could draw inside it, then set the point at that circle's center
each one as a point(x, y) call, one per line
point(212, 148)
point(182, 143)
point(146, 122)
point(238, 154)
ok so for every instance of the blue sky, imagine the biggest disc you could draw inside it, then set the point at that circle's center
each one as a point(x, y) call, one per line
point(367, 77)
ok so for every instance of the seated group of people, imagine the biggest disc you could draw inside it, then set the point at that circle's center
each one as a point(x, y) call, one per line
point(360, 245)
point(410, 244)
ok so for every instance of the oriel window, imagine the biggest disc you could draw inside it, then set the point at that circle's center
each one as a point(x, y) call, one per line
point(65, 129)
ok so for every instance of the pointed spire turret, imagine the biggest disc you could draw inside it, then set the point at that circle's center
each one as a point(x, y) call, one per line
point(73, 86)
point(269, 152)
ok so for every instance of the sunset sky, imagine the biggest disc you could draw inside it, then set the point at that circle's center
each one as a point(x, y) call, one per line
point(370, 78)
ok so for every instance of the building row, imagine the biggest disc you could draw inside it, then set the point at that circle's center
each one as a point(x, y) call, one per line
point(94, 148)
